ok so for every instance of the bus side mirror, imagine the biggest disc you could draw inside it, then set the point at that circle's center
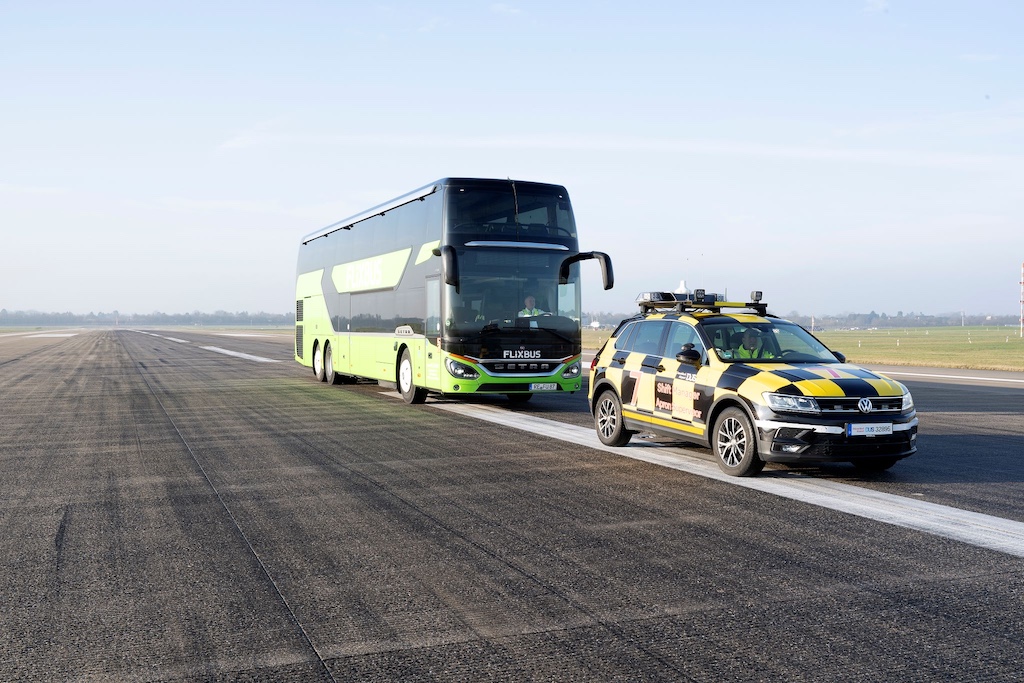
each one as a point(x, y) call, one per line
point(606, 267)
point(449, 265)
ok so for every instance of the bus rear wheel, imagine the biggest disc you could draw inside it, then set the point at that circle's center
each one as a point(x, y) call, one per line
point(330, 376)
point(318, 363)
point(410, 392)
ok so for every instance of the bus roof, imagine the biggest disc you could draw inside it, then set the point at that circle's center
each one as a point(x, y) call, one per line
point(418, 193)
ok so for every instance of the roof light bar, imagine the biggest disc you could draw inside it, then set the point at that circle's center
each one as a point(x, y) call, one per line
point(698, 300)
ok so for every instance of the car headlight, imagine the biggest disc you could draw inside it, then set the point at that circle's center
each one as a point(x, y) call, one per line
point(908, 400)
point(572, 372)
point(460, 370)
point(787, 403)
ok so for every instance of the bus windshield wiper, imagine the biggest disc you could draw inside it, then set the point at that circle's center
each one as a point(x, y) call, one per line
point(556, 333)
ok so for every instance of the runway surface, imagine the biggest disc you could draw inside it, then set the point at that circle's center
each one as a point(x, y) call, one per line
point(189, 505)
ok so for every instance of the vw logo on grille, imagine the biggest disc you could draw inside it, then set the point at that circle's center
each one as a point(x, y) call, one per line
point(864, 405)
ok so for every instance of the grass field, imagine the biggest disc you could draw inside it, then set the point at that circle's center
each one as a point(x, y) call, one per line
point(982, 348)
point(986, 348)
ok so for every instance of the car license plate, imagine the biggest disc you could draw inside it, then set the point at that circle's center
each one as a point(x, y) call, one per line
point(544, 386)
point(868, 429)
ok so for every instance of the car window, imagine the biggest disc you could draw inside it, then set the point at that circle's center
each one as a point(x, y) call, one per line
point(680, 335)
point(797, 345)
point(782, 341)
point(791, 342)
point(723, 337)
point(649, 336)
point(625, 339)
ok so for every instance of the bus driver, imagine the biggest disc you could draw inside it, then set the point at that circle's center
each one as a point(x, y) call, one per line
point(531, 308)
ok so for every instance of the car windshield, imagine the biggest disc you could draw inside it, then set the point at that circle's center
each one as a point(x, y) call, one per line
point(769, 341)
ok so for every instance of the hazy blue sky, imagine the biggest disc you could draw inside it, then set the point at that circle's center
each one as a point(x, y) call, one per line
point(841, 155)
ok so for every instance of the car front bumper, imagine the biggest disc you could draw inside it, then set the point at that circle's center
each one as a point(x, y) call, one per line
point(792, 441)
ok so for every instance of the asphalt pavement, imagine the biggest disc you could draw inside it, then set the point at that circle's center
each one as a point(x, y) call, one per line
point(185, 505)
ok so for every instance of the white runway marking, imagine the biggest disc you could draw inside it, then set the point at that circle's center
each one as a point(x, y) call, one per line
point(237, 354)
point(245, 334)
point(926, 375)
point(52, 335)
point(217, 349)
point(160, 336)
point(985, 531)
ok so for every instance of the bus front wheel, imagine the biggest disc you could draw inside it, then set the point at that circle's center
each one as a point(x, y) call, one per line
point(410, 392)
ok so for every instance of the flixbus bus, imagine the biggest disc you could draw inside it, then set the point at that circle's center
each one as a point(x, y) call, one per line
point(427, 291)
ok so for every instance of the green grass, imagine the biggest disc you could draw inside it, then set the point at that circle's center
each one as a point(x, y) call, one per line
point(984, 348)
point(980, 348)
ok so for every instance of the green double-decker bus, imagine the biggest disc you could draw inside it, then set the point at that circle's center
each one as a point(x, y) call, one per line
point(429, 291)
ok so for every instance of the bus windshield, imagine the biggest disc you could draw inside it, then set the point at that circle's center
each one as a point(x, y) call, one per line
point(503, 287)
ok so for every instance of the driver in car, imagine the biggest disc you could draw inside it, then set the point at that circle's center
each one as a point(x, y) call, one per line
point(752, 346)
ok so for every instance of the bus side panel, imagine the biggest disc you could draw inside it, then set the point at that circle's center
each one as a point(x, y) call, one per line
point(342, 354)
point(427, 358)
point(362, 354)
point(316, 321)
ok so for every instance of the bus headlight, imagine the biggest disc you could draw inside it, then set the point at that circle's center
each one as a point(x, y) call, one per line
point(572, 372)
point(460, 370)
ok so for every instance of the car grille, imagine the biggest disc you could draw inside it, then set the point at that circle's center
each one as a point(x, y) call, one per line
point(842, 405)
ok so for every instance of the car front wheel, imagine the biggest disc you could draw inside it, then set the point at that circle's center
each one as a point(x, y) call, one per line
point(735, 445)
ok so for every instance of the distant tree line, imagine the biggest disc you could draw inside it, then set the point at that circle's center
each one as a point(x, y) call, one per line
point(261, 319)
point(848, 321)
point(845, 321)
point(862, 321)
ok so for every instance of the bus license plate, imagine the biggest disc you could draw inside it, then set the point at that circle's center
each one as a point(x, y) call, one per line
point(544, 386)
point(868, 429)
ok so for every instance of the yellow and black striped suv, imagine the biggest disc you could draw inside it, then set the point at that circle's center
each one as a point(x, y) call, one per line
point(751, 386)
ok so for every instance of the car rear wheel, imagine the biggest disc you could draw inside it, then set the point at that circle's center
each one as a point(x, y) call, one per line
point(735, 445)
point(608, 420)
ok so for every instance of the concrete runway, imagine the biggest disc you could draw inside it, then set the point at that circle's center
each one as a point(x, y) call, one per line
point(185, 505)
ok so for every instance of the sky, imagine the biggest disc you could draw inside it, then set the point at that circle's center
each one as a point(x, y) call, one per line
point(841, 156)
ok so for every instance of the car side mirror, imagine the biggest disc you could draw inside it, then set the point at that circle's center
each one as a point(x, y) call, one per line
point(840, 355)
point(689, 356)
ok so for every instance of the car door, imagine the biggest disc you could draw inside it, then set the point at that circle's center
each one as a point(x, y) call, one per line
point(675, 393)
point(642, 366)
